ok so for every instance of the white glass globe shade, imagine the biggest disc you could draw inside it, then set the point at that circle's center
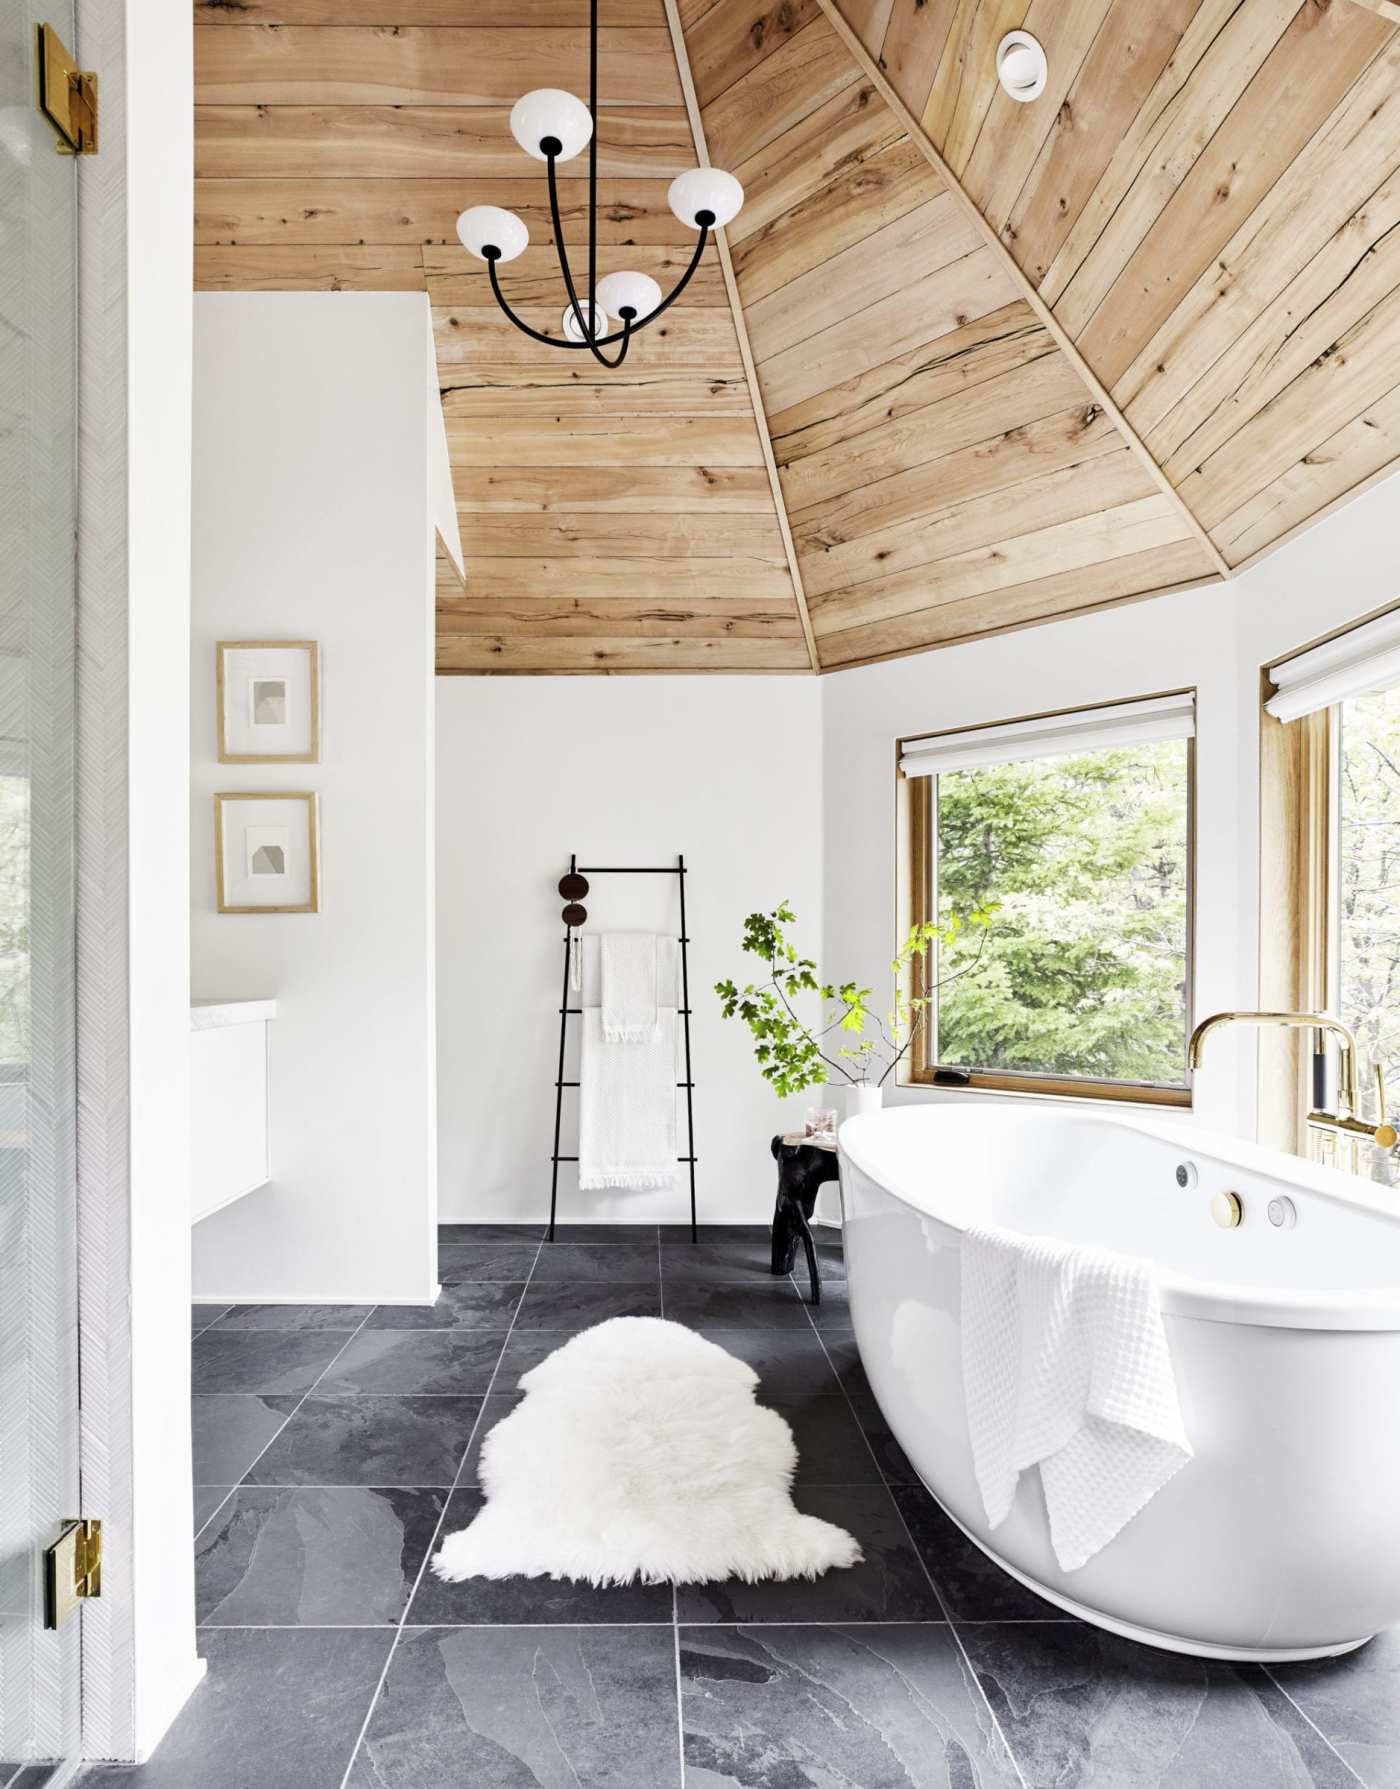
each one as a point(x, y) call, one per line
point(705, 189)
point(619, 293)
point(571, 325)
point(550, 112)
point(485, 226)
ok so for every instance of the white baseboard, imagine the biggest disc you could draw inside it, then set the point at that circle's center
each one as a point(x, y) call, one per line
point(174, 1695)
point(346, 1298)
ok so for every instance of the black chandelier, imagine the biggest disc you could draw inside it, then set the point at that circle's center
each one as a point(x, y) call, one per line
point(553, 126)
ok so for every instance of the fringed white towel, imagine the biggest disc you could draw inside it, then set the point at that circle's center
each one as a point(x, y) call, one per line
point(630, 995)
point(627, 1107)
point(1066, 1366)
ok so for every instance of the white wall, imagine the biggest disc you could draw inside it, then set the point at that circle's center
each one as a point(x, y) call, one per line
point(314, 518)
point(1215, 639)
point(622, 770)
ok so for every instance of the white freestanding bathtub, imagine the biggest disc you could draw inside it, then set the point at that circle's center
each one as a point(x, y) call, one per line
point(1281, 1538)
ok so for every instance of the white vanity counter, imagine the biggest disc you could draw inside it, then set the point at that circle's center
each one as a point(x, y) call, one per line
point(230, 1145)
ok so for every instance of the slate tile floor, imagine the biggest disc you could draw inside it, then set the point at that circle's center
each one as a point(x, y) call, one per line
point(334, 1445)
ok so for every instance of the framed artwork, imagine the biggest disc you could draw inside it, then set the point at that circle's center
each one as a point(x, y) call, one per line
point(269, 701)
point(266, 853)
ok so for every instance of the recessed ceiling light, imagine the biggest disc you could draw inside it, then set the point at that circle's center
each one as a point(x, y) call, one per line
point(1021, 66)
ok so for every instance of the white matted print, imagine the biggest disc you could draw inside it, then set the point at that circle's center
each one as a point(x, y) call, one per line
point(266, 854)
point(269, 701)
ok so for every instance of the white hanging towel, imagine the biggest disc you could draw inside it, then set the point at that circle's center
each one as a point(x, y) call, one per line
point(629, 986)
point(627, 1106)
point(1066, 1366)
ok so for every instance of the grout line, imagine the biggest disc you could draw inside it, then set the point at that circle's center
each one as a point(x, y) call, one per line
point(680, 1705)
point(428, 1552)
point(228, 1492)
point(424, 1627)
point(1268, 1671)
point(972, 1677)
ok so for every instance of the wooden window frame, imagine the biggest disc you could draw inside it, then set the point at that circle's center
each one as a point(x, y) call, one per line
point(915, 902)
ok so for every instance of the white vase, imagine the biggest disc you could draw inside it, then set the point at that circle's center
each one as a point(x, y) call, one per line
point(863, 1096)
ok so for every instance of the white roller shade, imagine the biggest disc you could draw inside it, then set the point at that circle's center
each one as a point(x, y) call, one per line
point(1363, 659)
point(1083, 730)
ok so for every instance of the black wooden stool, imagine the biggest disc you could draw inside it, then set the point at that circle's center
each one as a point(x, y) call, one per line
point(804, 1168)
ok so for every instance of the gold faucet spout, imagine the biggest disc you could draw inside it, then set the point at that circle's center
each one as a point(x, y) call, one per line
point(1346, 1043)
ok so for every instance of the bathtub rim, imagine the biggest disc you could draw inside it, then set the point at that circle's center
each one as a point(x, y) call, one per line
point(1276, 1307)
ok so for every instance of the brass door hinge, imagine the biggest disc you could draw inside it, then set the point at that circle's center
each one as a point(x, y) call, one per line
point(67, 95)
point(72, 1570)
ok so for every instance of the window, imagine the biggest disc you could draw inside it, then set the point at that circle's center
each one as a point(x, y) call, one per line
point(1076, 829)
point(1367, 883)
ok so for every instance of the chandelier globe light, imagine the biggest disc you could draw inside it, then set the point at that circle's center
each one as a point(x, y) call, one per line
point(553, 127)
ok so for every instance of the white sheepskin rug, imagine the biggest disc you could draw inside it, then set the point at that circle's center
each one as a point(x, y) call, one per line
point(639, 1453)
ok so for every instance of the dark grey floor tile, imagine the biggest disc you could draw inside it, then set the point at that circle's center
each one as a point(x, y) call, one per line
point(486, 1261)
point(294, 1316)
point(526, 1348)
point(894, 1464)
point(630, 1234)
point(277, 1710)
point(268, 1361)
point(1079, 1706)
point(346, 1557)
point(834, 1310)
point(890, 1584)
point(415, 1360)
point(515, 1600)
point(230, 1430)
point(792, 1707)
point(709, 1233)
point(831, 1450)
point(476, 1233)
point(973, 1587)
point(202, 1315)
point(716, 1263)
point(493, 1410)
point(586, 1263)
point(1356, 1702)
point(33, 1776)
point(578, 1307)
point(469, 1306)
point(558, 1708)
point(790, 1363)
point(207, 1499)
point(845, 1358)
point(763, 1304)
point(370, 1441)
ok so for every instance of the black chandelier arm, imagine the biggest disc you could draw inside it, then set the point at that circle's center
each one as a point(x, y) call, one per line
point(624, 335)
point(585, 328)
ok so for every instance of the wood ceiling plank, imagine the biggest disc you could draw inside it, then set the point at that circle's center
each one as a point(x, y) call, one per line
point(879, 514)
point(1317, 60)
point(462, 66)
point(1135, 578)
point(731, 39)
point(391, 267)
point(694, 538)
point(1001, 405)
point(1124, 64)
point(913, 45)
point(1069, 493)
point(699, 340)
point(1325, 397)
point(546, 618)
point(1003, 340)
point(631, 490)
point(261, 213)
point(867, 194)
point(504, 654)
point(634, 579)
point(464, 143)
point(928, 307)
point(791, 82)
point(1222, 49)
point(532, 15)
point(965, 84)
point(879, 266)
point(475, 401)
point(870, 19)
point(590, 440)
point(456, 278)
point(1387, 9)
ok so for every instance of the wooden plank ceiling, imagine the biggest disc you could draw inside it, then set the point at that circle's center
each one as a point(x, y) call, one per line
point(1009, 361)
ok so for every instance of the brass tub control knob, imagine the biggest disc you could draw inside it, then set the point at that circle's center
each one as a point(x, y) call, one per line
point(1227, 1210)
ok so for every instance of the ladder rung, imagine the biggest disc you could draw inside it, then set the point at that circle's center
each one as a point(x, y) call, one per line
point(683, 1012)
point(574, 1158)
point(577, 1084)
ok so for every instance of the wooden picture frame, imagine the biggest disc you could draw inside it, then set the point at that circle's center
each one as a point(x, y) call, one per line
point(282, 811)
point(278, 668)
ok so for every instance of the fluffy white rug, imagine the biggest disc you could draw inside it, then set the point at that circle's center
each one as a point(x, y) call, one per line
point(639, 1453)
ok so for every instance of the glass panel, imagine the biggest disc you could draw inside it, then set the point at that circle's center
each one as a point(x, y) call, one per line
point(38, 1303)
point(1084, 970)
point(1368, 892)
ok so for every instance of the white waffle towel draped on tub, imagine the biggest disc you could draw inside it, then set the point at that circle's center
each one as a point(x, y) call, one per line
point(627, 1084)
point(1066, 1366)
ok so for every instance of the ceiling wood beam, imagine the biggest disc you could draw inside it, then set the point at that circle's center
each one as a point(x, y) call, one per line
point(765, 439)
point(1027, 288)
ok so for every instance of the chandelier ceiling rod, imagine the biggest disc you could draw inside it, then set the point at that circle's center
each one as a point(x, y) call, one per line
point(552, 126)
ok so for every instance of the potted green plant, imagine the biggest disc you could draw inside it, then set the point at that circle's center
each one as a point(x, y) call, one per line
point(852, 1047)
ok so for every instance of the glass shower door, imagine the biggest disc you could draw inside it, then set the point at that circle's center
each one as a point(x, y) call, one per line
point(39, 1682)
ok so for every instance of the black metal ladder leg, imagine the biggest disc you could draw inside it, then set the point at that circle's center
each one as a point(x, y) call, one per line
point(559, 1078)
point(685, 1015)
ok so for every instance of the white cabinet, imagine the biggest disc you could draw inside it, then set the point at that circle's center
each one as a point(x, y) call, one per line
point(230, 1131)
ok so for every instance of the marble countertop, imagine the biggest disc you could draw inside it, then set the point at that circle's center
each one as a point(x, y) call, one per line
point(212, 1015)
